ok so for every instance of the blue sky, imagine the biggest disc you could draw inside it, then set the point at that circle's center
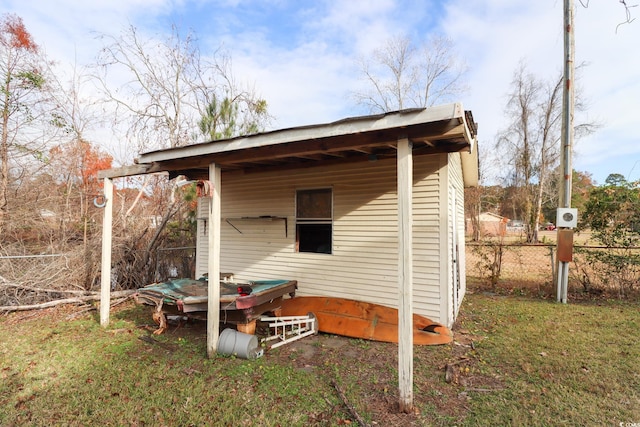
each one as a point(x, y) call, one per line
point(300, 54)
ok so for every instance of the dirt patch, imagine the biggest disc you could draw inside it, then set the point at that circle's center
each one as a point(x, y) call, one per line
point(367, 373)
point(368, 370)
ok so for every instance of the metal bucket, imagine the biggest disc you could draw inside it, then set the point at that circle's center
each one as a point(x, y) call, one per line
point(239, 344)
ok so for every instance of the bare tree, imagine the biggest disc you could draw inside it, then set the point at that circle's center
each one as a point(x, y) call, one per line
point(472, 206)
point(166, 94)
point(627, 11)
point(401, 74)
point(162, 88)
point(628, 18)
point(530, 143)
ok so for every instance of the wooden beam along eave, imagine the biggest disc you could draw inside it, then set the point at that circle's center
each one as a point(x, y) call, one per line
point(427, 134)
point(125, 171)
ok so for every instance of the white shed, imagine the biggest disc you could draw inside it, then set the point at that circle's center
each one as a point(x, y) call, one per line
point(349, 249)
point(369, 208)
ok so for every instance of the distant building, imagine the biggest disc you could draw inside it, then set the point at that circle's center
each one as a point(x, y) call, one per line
point(492, 224)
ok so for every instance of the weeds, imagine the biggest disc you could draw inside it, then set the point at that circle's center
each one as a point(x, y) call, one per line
point(616, 268)
point(489, 262)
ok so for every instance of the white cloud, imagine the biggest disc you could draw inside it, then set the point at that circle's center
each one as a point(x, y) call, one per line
point(495, 35)
point(611, 84)
point(301, 55)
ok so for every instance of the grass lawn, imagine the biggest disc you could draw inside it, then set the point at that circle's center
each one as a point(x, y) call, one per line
point(515, 361)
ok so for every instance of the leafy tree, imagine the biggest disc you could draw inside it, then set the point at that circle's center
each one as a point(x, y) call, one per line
point(405, 74)
point(222, 119)
point(582, 183)
point(75, 165)
point(616, 180)
point(23, 83)
point(613, 212)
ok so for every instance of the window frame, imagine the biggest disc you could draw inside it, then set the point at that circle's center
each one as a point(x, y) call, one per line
point(313, 220)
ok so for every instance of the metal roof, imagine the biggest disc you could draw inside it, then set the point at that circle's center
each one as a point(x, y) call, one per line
point(441, 129)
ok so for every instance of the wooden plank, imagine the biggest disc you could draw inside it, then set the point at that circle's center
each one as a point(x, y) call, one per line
point(365, 320)
point(405, 275)
point(105, 269)
point(213, 309)
point(124, 171)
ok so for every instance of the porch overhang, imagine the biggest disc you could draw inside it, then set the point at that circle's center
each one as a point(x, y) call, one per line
point(441, 129)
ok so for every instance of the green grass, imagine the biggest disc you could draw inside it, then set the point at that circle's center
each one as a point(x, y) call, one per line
point(516, 362)
point(75, 373)
point(558, 364)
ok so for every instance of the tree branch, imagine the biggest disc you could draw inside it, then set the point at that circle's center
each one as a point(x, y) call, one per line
point(75, 300)
point(352, 410)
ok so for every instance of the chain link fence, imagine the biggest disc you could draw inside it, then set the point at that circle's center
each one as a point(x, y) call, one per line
point(29, 279)
point(175, 262)
point(517, 266)
point(520, 264)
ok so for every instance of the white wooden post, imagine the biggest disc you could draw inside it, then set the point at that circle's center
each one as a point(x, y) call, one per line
point(405, 274)
point(213, 308)
point(105, 268)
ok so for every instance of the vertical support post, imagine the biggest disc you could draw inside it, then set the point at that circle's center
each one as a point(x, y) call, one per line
point(567, 134)
point(405, 274)
point(105, 267)
point(213, 288)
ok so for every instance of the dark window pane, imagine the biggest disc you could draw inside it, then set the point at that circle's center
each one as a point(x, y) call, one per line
point(314, 204)
point(314, 238)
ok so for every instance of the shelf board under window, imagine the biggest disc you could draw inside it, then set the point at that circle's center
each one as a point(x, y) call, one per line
point(260, 218)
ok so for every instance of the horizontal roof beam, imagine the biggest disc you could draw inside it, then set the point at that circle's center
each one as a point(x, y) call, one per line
point(123, 171)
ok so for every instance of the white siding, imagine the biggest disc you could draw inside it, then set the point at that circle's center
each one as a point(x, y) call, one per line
point(445, 276)
point(427, 239)
point(456, 186)
point(202, 241)
point(363, 265)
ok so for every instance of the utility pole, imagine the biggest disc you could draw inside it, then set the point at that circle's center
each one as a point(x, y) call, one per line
point(566, 140)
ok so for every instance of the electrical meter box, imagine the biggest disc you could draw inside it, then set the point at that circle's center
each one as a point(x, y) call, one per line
point(567, 217)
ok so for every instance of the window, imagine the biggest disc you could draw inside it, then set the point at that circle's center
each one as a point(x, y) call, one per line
point(314, 220)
